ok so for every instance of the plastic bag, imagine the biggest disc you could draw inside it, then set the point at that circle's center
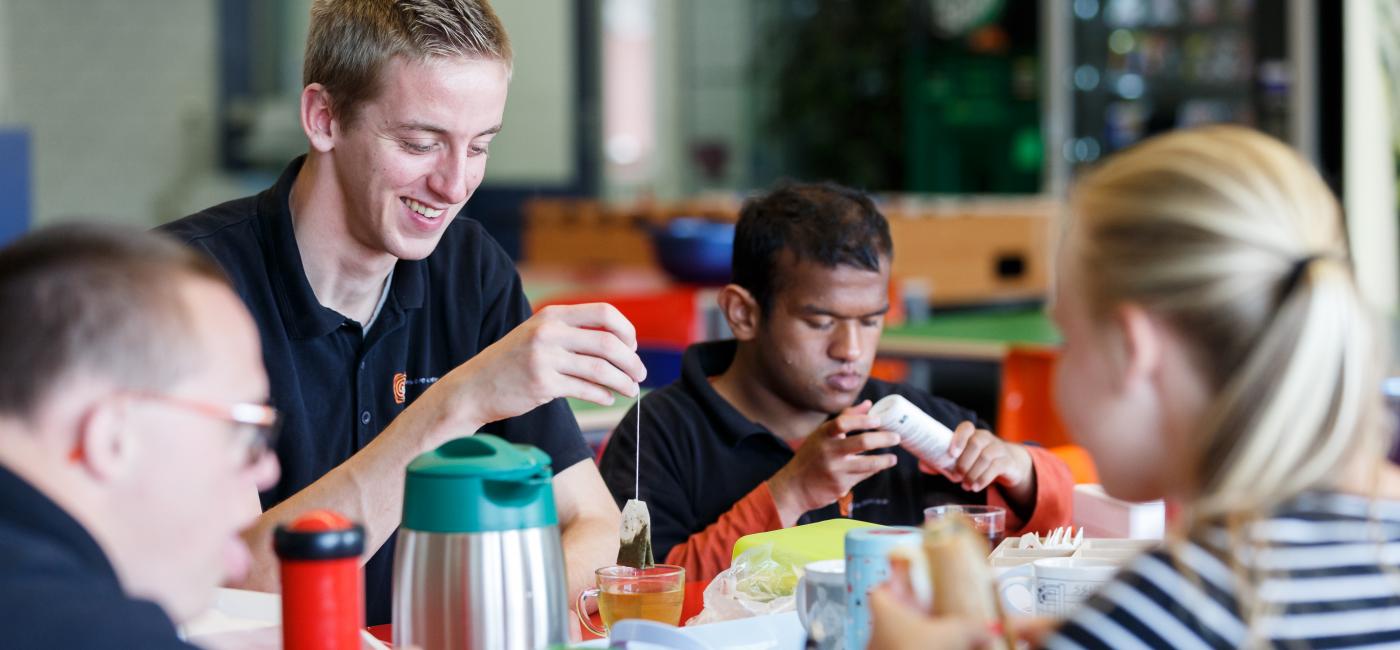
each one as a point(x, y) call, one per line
point(756, 584)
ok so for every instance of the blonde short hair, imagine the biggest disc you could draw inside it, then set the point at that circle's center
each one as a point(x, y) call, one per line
point(1236, 241)
point(350, 41)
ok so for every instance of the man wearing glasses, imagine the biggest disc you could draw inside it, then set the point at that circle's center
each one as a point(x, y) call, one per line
point(133, 436)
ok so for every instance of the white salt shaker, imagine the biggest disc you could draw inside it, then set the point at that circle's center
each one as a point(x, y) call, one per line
point(921, 435)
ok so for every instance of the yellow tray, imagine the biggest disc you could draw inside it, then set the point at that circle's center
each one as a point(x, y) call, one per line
point(796, 546)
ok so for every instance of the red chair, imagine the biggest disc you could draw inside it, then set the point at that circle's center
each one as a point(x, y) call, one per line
point(669, 319)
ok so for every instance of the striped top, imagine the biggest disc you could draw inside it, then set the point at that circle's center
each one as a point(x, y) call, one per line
point(1329, 578)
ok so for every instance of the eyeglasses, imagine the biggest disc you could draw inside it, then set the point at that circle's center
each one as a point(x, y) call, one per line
point(255, 425)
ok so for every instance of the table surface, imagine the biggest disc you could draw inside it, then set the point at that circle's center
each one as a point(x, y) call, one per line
point(597, 421)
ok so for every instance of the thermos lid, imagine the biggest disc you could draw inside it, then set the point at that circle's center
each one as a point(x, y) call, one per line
point(319, 535)
point(479, 484)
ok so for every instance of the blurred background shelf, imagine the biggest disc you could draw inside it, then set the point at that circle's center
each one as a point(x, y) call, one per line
point(973, 335)
point(951, 251)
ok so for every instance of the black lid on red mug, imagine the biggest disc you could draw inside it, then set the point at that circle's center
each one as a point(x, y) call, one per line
point(319, 535)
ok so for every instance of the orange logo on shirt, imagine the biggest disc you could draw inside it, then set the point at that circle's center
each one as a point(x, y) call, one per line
point(400, 381)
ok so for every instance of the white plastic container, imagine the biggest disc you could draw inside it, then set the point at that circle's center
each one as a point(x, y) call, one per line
point(921, 435)
point(1104, 516)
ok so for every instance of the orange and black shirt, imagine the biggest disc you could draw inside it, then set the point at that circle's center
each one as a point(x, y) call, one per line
point(705, 469)
point(339, 384)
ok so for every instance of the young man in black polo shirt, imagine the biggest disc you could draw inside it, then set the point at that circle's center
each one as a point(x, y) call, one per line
point(133, 429)
point(758, 433)
point(389, 326)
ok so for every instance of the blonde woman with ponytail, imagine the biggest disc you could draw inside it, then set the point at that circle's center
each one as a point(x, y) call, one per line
point(1217, 353)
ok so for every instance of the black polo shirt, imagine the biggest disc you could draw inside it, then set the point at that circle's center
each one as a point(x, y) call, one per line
point(700, 456)
point(57, 588)
point(339, 386)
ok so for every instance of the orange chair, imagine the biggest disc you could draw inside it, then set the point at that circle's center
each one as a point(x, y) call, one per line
point(890, 369)
point(1026, 412)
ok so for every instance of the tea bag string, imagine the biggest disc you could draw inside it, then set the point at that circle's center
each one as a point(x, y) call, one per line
point(637, 462)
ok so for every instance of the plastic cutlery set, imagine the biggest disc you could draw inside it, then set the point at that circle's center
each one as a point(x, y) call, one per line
point(1061, 538)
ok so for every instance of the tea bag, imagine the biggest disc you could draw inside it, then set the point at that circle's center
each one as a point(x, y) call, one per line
point(635, 550)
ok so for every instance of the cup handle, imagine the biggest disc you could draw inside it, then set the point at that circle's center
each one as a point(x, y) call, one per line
point(580, 608)
point(1023, 577)
point(801, 601)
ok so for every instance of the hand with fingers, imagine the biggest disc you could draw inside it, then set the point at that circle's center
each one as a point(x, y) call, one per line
point(587, 352)
point(897, 624)
point(977, 458)
point(830, 462)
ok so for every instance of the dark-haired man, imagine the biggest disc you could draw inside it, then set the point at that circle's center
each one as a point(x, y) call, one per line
point(133, 432)
point(761, 432)
point(389, 325)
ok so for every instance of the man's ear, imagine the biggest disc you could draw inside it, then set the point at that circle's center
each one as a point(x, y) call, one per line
point(1140, 344)
point(741, 310)
point(106, 443)
point(317, 117)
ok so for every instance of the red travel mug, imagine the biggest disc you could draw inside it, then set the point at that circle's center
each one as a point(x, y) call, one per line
point(323, 591)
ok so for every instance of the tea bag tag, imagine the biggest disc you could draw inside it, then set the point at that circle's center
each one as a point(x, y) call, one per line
point(635, 548)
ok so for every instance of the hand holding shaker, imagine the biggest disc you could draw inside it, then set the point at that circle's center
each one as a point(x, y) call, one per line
point(323, 592)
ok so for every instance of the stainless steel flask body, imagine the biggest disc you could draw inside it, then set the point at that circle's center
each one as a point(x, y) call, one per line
point(494, 590)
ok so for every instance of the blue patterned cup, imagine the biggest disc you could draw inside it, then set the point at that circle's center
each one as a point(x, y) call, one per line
point(867, 567)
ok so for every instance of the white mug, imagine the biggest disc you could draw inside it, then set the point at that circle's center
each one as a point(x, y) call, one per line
point(821, 602)
point(1053, 587)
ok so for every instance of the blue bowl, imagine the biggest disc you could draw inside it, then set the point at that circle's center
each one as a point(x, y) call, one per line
point(695, 250)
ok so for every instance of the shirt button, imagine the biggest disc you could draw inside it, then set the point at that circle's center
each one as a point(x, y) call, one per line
point(362, 365)
point(364, 417)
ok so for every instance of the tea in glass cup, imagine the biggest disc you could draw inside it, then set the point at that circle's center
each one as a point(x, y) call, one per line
point(653, 594)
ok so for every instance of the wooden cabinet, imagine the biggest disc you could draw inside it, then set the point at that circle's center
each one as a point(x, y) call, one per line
point(959, 252)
